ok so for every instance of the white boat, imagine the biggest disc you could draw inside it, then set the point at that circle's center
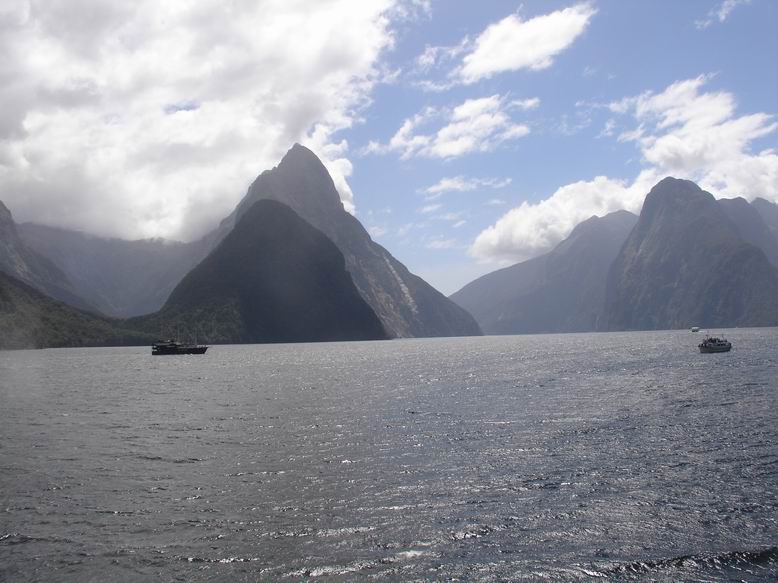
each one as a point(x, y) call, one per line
point(695, 328)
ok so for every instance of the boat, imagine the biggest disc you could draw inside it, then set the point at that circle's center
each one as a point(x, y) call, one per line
point(169, 346)
point(695, 328)
point(714, 344)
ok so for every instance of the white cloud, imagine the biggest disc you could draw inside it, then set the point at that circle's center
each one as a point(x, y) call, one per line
point(512, 43)
point(441, 243)
point(463, 184)
point(720, 13)
point(430, 208)
point(377, 232)
point(151, 118)
point(526, 104)
point(476, 125)
point(682, 131)
point(531, 229)
point(434, 56)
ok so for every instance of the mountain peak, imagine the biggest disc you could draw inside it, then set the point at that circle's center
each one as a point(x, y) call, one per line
point(675, 196)
point(301, 159)
point(406, 305)
point(675, 187)
point(686, 263)
point(300, 181)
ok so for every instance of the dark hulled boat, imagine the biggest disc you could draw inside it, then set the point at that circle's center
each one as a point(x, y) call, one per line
point(713, 344)
point(164, 347)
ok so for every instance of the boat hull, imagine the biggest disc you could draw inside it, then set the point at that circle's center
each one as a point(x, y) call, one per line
point(711, 349)
point(167, 351)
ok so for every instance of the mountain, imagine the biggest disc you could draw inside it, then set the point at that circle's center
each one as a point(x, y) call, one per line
point(769, 213)
point(120, 278)
point(406, 304)
point(751, 226)
point(23, 263)
point(30, 319)
point(274, 278)
point(129, 278)
point(685, 263)
point(561, 291)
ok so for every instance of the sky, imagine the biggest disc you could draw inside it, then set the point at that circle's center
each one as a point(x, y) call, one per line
point(466, 136)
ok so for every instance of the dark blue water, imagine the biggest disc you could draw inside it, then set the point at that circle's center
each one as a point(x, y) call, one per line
point(613, 457)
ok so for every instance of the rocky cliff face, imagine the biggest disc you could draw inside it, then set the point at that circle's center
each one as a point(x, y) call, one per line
point(406, 304)
point(273, 278)
point(561, 291)
point(23, 263)
point(685, 263)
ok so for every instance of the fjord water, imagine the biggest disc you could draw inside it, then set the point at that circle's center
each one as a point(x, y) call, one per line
point(625, 456)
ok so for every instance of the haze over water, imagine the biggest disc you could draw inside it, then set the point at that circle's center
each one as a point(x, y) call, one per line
point(628, 456)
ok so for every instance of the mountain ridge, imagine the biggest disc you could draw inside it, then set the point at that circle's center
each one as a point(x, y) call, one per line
point(560, 291)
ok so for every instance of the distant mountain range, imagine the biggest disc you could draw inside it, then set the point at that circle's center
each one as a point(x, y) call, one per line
point(266, 295)
point(117, 277)
point(560, 291)
point(21, 262)
point(290, 264)
point(688, 260)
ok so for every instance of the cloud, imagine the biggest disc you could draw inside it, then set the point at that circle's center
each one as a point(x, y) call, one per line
point(720, 13)
point(430, 208)
point(151, 118)
point(462, 184)
point(533, 228)
point(512, 43)
point(682, 131)
point(476, 125)
point(441, 243)
point(377, 232)
point(526, 104)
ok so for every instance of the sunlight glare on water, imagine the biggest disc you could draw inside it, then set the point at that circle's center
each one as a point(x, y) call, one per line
point(626, 456)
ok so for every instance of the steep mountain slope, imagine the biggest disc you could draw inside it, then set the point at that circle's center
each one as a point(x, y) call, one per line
point(274, 278)
point(121, 278)
point(769, 213)
point(751, 226)
point(686, 264)
point(30, 319)
point(406, 304)
point(23, 263)
point(561, 291)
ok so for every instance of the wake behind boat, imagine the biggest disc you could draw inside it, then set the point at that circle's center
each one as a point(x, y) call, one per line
point(164, 347)
point(714, 344)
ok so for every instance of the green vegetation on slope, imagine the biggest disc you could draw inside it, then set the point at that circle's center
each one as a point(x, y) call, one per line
point(29, 319)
